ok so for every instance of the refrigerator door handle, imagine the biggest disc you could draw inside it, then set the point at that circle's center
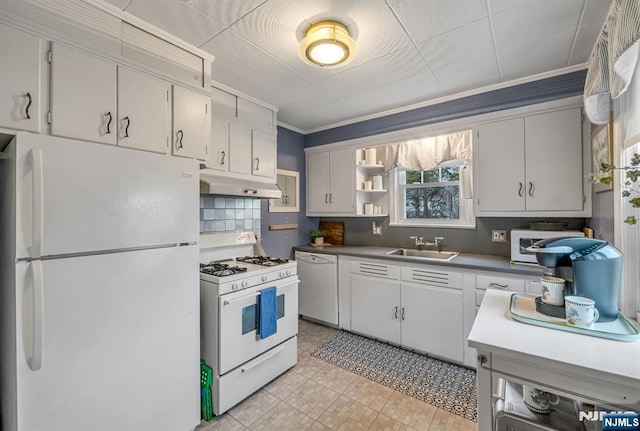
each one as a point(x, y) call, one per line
point(38, 203)
point(35, 362)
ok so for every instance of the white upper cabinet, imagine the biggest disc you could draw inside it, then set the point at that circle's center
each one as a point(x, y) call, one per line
point(263, 147)
point(20, 78)
point(256, 115)
point(501, 166)
point(83, 95)
point(243, 138)
point(218, 154)
point(329, 179)
point(240, 149)
point(554, 161)
point(191, 123)
point(144, 115)
point(533, 165)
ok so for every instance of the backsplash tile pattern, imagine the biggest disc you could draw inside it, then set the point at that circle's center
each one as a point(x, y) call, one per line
point(229, 214)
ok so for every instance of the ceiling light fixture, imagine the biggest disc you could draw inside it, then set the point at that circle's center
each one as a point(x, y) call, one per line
point(327, 44)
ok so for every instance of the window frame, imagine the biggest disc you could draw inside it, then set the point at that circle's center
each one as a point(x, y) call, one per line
point(397, 203)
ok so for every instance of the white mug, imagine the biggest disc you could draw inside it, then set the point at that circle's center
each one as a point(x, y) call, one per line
point(367, 185)
point(581, 311)
point(552, 290)
point(537, 400)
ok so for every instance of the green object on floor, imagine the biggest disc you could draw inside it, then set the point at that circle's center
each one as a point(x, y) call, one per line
point(206, 378)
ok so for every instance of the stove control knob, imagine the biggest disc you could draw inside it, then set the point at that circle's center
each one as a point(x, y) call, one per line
point(234, 286)
point(264, 278)
point(289, 272)
point(282, 274)
point(245, 283)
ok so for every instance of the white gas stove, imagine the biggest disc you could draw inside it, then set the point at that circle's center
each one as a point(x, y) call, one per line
point(231, 283)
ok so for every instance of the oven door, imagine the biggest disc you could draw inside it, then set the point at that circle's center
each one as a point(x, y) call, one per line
point(238, 324)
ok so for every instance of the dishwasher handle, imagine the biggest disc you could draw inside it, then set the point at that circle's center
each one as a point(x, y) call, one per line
point(316, 258)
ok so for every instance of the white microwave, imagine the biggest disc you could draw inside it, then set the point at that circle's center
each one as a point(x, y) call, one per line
point(523, 238)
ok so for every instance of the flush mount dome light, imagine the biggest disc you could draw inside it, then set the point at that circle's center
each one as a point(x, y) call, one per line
point(327, 44)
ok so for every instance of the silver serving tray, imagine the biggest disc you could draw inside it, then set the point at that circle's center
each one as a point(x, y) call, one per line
point(522, 308)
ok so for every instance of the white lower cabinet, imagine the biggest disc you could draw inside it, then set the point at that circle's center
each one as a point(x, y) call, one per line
point(375, 307)
point(431, 312)
point(416, 307)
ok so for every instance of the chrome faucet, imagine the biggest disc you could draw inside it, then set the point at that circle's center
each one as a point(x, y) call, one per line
point(420, 241)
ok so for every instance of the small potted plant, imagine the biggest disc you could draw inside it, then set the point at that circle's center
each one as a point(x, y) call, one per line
point(317, 236)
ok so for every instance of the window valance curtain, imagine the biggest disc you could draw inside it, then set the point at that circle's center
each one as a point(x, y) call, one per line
point(613, 60)
point(427, 153)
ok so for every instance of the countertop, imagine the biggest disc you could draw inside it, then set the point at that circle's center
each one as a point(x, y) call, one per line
point(494, 330)
point(463, 260)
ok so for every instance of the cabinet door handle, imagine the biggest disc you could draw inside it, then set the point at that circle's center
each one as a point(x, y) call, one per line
point(530, 189)
point(402, 317)
point(126, 128)
point(395, 312)
point(520, 190)
point(179, 142)
point(330, 198)
point(498, 285)
point(109, 122)
point(222, 160)
point(26, 110)
point(326, 198)
point(257, 163)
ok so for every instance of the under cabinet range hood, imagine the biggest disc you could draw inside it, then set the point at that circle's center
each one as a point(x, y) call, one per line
point(211, 184)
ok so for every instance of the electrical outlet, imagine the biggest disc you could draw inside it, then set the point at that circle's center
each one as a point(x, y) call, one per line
point(499, 236)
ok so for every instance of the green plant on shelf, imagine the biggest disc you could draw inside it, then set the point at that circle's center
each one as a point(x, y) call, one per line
point(629, 188)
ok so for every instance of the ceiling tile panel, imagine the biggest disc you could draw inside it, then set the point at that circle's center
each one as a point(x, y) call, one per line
point(586, 40)
point(349, 82)
point(459, 44)
point(536, 56)
point(534, 19)
point(312, 95)
point(596, 10)
point(225, 11)
point(300, 117)
point(120, 4)
point(425, 19)
point(396, 66)
point(231, 52)
point(469, 73)
point(496, 6)
point(177, 18)
point(416, 89)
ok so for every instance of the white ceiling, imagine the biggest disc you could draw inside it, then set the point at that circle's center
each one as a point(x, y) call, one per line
point(409, 51)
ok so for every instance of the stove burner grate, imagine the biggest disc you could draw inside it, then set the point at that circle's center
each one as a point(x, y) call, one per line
point(220, 269)
point(262, 260)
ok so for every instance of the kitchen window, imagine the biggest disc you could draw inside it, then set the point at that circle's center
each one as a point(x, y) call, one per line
point(431, 198)
point(430, 181)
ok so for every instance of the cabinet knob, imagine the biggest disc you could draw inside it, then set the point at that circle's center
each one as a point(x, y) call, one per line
point(126, 128)
point(520, 190)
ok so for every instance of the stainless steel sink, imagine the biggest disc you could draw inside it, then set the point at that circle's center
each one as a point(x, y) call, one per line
point(424, 254)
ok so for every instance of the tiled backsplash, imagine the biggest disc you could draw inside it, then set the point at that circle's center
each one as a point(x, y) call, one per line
point(229, 214)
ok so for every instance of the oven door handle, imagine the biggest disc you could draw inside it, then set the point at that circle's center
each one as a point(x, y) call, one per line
point(261, 360)
point(231, 301)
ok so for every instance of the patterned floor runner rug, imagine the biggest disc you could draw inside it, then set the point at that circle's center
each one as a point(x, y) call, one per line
point(445, 385)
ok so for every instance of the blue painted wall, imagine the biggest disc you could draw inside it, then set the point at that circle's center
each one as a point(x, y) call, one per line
point(544, 90)
point(278, 243)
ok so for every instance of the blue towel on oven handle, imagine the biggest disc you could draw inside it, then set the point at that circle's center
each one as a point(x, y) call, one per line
point(268, 312)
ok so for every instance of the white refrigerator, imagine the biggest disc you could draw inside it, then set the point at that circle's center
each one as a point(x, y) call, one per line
point(99, 302)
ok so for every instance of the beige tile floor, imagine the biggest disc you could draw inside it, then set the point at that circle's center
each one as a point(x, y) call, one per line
point(316, 396)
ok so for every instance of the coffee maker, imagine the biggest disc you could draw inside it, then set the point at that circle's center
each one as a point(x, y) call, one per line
point(591, 267)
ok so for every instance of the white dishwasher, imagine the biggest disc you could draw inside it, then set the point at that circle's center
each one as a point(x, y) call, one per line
point(318, 289)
